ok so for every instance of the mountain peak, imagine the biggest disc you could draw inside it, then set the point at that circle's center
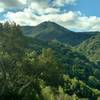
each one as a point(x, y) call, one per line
point(48, 23)
point(48, 31)
point(53, 26)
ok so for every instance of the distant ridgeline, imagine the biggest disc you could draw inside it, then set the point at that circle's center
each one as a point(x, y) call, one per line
point(48, 62)
point(47, 31)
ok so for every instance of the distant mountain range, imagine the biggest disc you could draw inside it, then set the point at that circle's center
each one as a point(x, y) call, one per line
point(48, 31)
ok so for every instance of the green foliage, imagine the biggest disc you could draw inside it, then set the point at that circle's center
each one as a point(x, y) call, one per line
point(94, 82)
point(31, 69)
point(91, 48)
point(48, 93)
point(48, 31)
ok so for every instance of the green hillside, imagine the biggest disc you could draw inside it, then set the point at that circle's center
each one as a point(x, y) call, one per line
point(32, 69)
point(48, 31)
point(91, 48)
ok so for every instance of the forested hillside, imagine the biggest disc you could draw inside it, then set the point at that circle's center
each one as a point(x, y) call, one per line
point(33, 69)
point(48, 31)
point(91, 48)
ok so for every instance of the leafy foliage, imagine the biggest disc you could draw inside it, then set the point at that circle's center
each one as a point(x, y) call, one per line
point(91, 48)
point(31, 69)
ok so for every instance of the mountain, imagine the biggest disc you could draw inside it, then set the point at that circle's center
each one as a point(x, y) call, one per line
point(48, 31)
point(91, 47)
point(32, 69)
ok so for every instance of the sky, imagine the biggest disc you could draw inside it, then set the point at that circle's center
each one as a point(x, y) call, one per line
point(76, 15)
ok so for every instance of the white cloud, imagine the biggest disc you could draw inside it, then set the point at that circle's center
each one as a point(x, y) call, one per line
point(63, 2)
point(12, 3)
point(2, 5)
point(22, 18)
point(42, 10)
point(39, 11)
point(23, 1)
point(71, 20)
point(1, 10)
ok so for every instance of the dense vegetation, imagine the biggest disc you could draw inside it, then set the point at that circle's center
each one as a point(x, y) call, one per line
point(91, 48)
point(32, 69)
point(48, 31)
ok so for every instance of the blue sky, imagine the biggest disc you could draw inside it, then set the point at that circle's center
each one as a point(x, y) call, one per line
point(89, 7)
point(78, 15)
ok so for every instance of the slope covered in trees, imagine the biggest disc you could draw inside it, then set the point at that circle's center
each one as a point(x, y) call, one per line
point(91, 48)
point(31, 69)
point(48, 31)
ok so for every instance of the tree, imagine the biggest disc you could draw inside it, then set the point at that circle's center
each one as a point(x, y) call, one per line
point(52, 70)
point(12, 40)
